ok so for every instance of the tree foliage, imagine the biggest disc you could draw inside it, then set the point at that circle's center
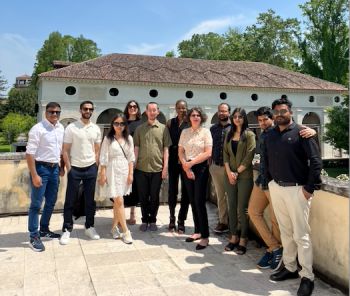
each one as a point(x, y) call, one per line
point(3, 83)
point(325, 47)
point(14, 124)
point(337, 133)
point(21, 101)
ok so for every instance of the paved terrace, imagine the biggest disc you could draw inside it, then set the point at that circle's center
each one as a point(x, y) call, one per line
point(155, 264)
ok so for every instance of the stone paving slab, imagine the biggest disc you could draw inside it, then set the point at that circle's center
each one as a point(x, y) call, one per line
point(159, 263)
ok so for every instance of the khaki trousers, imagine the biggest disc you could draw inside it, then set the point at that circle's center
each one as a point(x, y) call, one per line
point(218, 175)
point(259, 201)
point(292, 212)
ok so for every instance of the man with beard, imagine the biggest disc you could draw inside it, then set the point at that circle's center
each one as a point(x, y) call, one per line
point(175, 126)
point(151, 140)
point(81, 146)
point(293, 164)
point(217, 169)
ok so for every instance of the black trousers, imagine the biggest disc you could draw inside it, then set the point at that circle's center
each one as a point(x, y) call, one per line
point(148, 188)
point(88, 176)
point(175, 171)
point(197, 190)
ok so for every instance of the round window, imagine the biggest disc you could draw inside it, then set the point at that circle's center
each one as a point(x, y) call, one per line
point(113, 92)
point(189, 94)
point(70, 90)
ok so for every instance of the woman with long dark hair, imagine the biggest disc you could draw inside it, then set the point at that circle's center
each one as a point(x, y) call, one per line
point(133, 115)
point(239, 148)
point(117, 167)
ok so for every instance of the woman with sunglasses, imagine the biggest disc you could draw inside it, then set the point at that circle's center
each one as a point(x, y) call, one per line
point(133, 116)
point(238, 150)
point(195, 147)
point(117, 165)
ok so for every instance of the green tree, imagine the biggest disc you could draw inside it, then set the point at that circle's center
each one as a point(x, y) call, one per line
point(83, 49)
point(235, 47)
point(14, 124)
point(337, 133)
point(170, 54)
point(22, 101)
point(325, 46)
point(3, 83)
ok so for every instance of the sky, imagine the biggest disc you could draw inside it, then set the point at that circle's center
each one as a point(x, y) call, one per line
point(150, 27)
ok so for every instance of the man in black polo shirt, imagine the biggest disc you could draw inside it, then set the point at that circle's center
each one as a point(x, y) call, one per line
point(293, 164)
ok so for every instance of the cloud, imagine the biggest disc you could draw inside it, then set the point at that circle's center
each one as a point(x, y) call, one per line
point(144, 48)
point(17, 57)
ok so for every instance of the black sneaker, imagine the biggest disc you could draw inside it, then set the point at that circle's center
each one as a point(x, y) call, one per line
point(49, 234)
point(276, 259)
point(306, 287)
point(36, 244)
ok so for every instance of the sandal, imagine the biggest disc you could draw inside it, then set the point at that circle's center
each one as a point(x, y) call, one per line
point(241, 250)
point(231, 246)
point(180, 227)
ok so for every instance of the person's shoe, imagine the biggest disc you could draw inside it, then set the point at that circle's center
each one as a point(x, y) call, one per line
point(91, 233)
point(306, 287)
point(265, 261)
point(65, 238)
point(126, 237)
point(36, 244)
point(143, 227)
point(49, 234)
point(284, 274)
point(115, 232)
point(221, 228)
point(172, 225)
point(193, 238)
point(153, 227)
point(180, 227)
point(276, 258)
point(202, 244)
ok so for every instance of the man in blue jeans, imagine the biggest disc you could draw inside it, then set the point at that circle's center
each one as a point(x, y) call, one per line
point(43, 155)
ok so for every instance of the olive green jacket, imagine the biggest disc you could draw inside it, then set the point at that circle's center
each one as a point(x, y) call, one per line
point(244, 155)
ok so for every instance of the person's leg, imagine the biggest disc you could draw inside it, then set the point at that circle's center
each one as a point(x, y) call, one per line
point(134, 200)
point(156, 182)
point(50, 198)
point(89, 184)
point(143, 189)
point(115, 214)
point(274, 224)
point(173, 188)
point(37, 196)
point(232, 209)
point(184, 203)
point(120, 212)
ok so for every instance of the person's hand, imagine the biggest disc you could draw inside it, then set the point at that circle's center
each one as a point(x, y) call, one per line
point(232, 178)
point(102, 180)
point(307, 132)
point(130, 179)
point(307, 195)
point(164, 173)
point(62, 171)
point(186, 165)
point(190, 174)
point(37, 182)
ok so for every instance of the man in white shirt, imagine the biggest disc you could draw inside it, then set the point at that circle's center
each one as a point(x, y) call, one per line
point(81, 146)
point(43, 155)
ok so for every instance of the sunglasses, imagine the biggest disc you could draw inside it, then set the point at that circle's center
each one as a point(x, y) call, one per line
point(132, 106)
point(54, 113)
point(237, 117)
point(117, 124)
point(280, 112)
point(88, 109)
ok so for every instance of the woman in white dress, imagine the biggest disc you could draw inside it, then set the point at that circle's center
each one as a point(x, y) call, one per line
point(116, 160)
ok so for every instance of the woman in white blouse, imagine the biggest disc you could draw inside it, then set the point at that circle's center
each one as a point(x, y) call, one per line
point(117, 159)
point(195, 146)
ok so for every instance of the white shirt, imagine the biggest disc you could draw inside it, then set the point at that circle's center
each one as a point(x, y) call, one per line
point(45, 141)
point(83, 138)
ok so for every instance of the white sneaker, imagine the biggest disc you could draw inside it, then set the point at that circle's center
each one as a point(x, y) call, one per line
point(91, 233)
point(115, 232)
point(126, 237)
point(64, 240)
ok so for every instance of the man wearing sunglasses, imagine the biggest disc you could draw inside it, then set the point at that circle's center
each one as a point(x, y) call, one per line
point(43, 155)
point(81, 146)
point(293, 164)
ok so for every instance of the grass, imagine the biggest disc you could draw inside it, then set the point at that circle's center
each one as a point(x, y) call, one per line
point(5, 148)
point(334, 172)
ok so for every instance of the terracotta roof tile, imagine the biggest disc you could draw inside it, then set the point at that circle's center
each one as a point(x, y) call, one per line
point(154, 69)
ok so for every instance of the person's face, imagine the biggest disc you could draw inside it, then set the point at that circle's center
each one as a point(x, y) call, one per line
point(119, 125)
point(264, 122)
point(86, 111)
point(181, 109)
point(282, 115)
point(152, 111)
point(195, 118)
point(52, 114)
point(237, 119)
point(223, 112)
point(132, 108)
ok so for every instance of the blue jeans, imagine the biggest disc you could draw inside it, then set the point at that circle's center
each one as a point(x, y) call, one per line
point(48, 189)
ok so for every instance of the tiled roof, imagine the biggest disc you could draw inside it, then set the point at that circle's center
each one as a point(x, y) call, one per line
point(155, 69)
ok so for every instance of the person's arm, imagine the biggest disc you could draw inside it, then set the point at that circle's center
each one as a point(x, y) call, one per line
point(65, 153)
point(62, 171)
point(31, 149)
point(136, 152)
point(165, 162)
point(248, 158)
point(232, 177)
point(307, 132)
point(205, 155)
point(97, 153)
point(36, 179)
point(103, 162)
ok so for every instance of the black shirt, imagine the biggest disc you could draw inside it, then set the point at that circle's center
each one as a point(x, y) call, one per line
point(175, 131)
point(290, 158)
point(132, 125)
point(218, 133)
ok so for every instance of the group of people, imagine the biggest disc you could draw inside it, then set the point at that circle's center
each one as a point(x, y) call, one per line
point(136, 156)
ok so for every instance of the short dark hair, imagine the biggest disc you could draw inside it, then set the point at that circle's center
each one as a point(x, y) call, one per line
point(150, 103)
point(228, 106)
point(264, 111)
point(52, 105)
point(181, 101)
point(126, 110)
point(282, 101)
point(201, 113)
point(85, 102)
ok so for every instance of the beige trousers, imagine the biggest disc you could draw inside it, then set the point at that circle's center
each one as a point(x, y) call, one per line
point(292, 212)
point(218, 175)
point(259, 201)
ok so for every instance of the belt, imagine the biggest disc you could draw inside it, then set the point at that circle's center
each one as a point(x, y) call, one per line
point(287, 184)
point(48, 164)
point(218, 163)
